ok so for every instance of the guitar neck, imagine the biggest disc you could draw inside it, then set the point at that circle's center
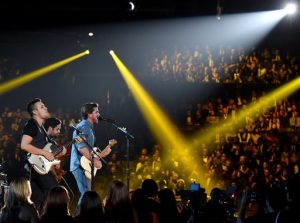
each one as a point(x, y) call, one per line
point(60, 148)
point(102, 153)
point(58, 151)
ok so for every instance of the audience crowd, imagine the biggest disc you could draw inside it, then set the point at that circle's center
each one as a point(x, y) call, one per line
point(224, 65)
point(253, 170)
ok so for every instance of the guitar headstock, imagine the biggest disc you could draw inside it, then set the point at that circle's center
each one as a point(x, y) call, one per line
point(112, 142)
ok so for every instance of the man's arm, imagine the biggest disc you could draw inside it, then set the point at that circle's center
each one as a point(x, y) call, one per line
point(107, 149)
point(28, 147)
point(86, 153)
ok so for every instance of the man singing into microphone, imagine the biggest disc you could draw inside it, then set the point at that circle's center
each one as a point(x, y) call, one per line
point(84, 140)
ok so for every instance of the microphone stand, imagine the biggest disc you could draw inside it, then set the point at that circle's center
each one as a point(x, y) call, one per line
point(92, 154)
point(127, 135)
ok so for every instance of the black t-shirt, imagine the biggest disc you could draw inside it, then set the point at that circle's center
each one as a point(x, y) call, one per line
point(32, 129)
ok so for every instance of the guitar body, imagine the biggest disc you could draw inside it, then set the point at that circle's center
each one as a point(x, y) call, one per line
point(40, 163)
point(86, 164)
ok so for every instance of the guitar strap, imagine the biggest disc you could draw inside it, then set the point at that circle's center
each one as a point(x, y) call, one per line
point(39, 128)
point(48, 138)
point(43, 130)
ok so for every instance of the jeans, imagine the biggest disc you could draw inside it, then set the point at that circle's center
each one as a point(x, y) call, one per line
point(83, 183)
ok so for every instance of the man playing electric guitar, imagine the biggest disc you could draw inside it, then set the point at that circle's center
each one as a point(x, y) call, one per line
point(83, 141)
point(34, 139)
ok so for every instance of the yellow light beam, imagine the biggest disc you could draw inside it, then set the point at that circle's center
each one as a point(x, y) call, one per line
point(163, 129)
point(12, 84)
point(168, 135)
point(208, 135)
point(160, 124)
point(255, 109)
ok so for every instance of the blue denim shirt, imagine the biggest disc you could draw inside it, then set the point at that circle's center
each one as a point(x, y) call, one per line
point(87, 132)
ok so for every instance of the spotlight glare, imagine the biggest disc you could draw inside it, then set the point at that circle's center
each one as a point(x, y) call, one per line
point(87, 52)
point(290, 8)
point(111, 52)
point(91, 34)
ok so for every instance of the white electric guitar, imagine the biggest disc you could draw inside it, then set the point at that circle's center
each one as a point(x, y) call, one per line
point(86, 164)
point(40, 163)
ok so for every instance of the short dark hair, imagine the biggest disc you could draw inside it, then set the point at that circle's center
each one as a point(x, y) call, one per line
point(31, 105)
point(88, 108)
point(51, 122)
point(149, 187)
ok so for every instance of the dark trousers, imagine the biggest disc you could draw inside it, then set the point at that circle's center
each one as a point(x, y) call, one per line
point(40, 186)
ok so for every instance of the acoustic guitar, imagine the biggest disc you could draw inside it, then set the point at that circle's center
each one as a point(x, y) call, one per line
point(86, 164)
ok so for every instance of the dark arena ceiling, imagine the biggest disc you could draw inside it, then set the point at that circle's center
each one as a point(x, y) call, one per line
point(31, 14)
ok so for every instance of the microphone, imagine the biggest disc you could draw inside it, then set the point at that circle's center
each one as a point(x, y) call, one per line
point(106, 119)
point(76, 129)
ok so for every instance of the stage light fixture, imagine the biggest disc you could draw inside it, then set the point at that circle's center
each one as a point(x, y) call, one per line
point(290, 8)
